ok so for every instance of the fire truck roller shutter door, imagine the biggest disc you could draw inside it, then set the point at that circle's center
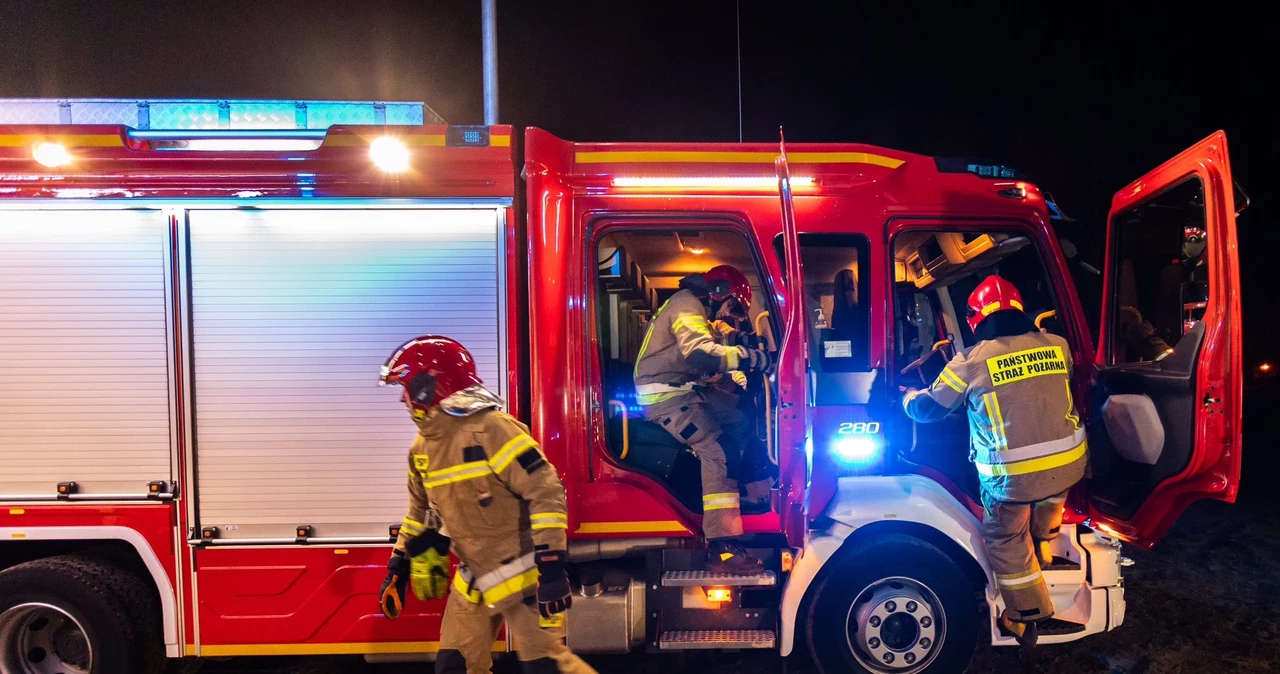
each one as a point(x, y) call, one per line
point(84, 332)
point(292, 311)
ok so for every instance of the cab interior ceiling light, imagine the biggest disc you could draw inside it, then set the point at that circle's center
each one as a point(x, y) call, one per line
point(687, 249)
point(711, 181)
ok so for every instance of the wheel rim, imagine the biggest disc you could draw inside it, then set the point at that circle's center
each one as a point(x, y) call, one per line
point(895, 625)
point(43, 639)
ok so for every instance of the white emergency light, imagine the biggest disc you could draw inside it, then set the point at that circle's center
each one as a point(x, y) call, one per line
point(389, 154)
point(51, 154)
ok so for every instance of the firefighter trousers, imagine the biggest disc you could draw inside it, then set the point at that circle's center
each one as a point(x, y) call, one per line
point(1010, 531)
point(735, 417)
point(468, 631)
point(693, 420)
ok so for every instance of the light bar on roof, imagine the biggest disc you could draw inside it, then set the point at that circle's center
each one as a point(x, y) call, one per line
point(710, 181)
point(241, 144)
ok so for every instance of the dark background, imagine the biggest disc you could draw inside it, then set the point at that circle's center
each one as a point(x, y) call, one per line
point(1081, 98)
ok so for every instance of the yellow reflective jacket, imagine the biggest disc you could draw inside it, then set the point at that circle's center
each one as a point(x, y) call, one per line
point(1026, 439)
point(679, 350)
point(497, 495)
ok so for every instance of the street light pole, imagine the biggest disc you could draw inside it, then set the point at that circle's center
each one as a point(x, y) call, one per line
point(489, 29)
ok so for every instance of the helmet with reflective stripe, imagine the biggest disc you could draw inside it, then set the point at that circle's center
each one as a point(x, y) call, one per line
point(431, 368)
point(724, 282)
point(992, 295)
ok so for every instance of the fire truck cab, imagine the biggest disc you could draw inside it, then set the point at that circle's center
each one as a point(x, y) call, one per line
point(197, 460)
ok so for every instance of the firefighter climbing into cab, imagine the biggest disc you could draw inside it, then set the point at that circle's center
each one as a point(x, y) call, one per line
point(677, 356)
point(1026, 442)
point(479, 485)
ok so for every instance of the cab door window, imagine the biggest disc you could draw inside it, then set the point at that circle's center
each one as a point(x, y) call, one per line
point(636, 271)
point(936, 271)
point(1162, 274)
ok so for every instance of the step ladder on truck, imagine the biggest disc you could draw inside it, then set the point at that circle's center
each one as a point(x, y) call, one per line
point(192, 320)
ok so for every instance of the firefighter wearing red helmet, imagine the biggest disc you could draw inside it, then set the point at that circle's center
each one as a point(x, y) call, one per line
point(1026, 441)
point(477, 470)
point(678, 353)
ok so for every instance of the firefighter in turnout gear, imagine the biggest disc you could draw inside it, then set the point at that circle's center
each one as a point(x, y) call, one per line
point(477, 471)
point(679, 352)
point(1026, 441)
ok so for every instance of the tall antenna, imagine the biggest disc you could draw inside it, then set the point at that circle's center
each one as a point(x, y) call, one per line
point(737, 13)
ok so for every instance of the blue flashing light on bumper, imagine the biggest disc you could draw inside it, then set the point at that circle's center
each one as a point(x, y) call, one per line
point(856, 450)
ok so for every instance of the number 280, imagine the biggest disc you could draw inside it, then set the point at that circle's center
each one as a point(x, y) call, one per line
point(859, 428)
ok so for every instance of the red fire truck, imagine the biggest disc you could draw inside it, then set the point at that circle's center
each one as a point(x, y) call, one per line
point(195, 458)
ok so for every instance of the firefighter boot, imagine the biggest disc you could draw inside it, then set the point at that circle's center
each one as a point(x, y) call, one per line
point(724, 555)
point(1044, 553)
point(1026, 633)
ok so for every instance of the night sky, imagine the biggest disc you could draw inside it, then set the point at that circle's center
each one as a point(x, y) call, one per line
point(1083, 100)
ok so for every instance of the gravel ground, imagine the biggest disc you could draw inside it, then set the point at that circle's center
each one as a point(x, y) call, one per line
point(1205, 600)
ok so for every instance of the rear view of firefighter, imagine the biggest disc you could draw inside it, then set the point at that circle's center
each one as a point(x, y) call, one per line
point(503, 508)
point(678, 352)
point(1025, 440)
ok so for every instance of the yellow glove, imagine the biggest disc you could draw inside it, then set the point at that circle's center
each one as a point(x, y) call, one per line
point(429, 564)
point(739, 378)
point(429, 575)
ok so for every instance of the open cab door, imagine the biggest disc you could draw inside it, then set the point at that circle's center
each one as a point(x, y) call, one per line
point(1165, 427)
point(792, 370)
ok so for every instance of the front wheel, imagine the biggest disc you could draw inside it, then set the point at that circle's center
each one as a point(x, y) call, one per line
point(895, 605)
point(69, 615)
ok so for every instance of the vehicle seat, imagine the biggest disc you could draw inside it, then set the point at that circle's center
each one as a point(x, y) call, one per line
point(649, 449)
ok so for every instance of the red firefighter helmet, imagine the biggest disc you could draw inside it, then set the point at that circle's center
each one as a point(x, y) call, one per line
point(725, 281)
point(430, 368)
point(992, 295)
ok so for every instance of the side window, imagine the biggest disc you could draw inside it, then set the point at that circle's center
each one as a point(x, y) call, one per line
point(1162, 275)
point(837, 299)
point(934, 274)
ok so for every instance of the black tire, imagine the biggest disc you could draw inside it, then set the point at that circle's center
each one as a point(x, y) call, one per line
point(830, 611)
point(143, 603)
point(101, 599)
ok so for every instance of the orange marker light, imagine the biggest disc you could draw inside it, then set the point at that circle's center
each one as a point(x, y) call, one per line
point(719, 594)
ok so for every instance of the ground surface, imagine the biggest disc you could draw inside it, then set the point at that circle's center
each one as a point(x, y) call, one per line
point(1205, 600)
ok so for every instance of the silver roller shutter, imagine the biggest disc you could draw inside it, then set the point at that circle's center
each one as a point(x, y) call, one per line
point(293, 315)
point(84, 356)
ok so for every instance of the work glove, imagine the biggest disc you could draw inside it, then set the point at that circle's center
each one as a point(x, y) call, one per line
point(391, 596)
point(756, 360)
point(429, 565)
point(554, 594)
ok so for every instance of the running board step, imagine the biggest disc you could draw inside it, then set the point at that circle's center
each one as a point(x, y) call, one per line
point(1055, 627)
point(1061, 564)
point(704, 578)
point(715, 639)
